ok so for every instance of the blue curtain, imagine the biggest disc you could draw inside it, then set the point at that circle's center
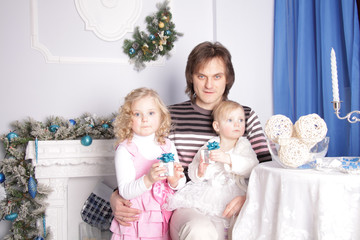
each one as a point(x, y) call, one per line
point(304, 33)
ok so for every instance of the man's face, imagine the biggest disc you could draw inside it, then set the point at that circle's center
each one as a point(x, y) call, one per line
point(209, 83)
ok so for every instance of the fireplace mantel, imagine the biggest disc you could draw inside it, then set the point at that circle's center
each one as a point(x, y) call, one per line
point(57, 162)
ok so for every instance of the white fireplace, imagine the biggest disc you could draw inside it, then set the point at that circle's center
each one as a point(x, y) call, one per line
point(72, 171)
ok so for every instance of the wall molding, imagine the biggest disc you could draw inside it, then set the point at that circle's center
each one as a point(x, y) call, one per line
point(110, 20)
point(90, 25)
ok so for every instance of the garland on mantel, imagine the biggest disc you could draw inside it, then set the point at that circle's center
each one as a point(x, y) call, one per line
point(23, 202)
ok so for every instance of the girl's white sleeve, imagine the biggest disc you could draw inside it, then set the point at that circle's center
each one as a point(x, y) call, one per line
point(243, 159)
point(129, 187)
point(182, 181)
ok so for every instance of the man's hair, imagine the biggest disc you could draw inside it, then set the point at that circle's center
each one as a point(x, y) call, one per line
point(202, 54)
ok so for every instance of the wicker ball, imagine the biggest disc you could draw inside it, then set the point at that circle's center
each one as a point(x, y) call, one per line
point(293, 152)
point(278, 126)
point(311, 129)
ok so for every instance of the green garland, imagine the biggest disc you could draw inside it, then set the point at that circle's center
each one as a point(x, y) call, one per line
point(19, 206)
point(159, 42)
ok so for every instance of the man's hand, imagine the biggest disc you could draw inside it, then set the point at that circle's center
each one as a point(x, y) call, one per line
point(122, 210)
point(234, 207)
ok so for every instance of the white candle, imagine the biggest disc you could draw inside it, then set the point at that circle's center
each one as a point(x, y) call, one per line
point(334, 77)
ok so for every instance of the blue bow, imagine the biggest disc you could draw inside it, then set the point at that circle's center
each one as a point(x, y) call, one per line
point(167, 157)
point(213, 145)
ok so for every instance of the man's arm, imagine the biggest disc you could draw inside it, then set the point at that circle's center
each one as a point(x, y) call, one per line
point(122, 211)
point(256, 136)
point(234, 206)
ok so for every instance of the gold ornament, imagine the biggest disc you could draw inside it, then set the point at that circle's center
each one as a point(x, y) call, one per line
point(161, 25)
point(145, 49)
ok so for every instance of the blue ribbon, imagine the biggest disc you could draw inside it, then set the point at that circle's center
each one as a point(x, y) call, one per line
point(213, 145)
point(36, 150)
point(167, 157)
point(44, 225)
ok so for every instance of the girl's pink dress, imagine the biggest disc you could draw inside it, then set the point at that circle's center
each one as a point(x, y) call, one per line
point(153, 221)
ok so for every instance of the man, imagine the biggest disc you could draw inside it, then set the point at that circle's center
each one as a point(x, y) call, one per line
point(209, 77)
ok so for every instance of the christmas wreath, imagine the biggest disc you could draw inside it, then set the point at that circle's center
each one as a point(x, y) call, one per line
point(159, 40)
point(23, 201)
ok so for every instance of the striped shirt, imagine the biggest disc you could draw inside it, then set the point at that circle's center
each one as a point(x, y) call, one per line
point(192, 128)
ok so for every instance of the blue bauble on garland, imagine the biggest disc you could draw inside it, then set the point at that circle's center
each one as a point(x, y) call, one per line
point(54, 128)
point(72, 122)
point(86, 140)
point(2, 178)
point(38, 238)
point(151, 37)
point(131, 51)
point(11, 135)
point(105, 126)
point(11, 216)
point(32, 187)
point(167, 32)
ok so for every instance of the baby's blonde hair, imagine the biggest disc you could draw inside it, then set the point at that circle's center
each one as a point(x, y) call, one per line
point(123, 122)
point(224, 108)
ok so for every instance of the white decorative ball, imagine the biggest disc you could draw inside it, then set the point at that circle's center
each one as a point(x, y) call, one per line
point(311, 129)
point(293, 152)
point(278, 126)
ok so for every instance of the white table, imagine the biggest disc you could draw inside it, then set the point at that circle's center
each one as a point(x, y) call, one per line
point(299, 204)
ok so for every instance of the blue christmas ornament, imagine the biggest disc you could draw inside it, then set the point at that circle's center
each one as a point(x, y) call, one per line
point(131, 51)
point(72, 122)
point(54, 128)
point(86, 140)
point(38, 238)
point(90, 125)
point(2, 178)
point(11, 216)
point(167, 32)
point(105, 126)
point(11, 135)
point(151, 37)
point(32, 187)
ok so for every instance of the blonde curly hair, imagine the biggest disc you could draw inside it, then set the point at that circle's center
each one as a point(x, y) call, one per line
point(123, 121)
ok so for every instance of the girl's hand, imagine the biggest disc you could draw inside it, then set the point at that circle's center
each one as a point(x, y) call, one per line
point(220, 156)
point(154, 175)
point(178, 174)
point(202, 167)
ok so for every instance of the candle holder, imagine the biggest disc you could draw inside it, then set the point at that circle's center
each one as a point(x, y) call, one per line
point(349, 116)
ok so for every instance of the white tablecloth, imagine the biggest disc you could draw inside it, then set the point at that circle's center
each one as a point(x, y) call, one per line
point(299, 204)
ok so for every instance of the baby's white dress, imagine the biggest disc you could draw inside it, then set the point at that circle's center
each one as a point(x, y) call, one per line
point(220, 184)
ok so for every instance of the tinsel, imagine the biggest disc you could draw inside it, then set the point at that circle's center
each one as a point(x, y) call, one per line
point(2, 193)
point(17, 170)
point(147, 47)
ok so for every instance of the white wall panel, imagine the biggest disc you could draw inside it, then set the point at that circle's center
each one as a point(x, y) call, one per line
point(77, 82)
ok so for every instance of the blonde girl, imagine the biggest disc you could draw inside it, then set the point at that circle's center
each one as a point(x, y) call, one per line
point(141, 128)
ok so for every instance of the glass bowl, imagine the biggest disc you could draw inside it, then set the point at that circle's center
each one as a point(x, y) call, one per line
point(319, 150)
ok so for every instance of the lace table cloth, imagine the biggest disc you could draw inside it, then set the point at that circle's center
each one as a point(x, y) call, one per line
point(299, 204)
